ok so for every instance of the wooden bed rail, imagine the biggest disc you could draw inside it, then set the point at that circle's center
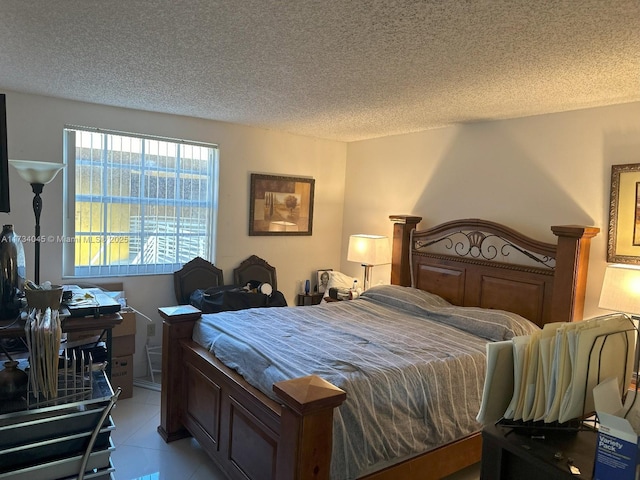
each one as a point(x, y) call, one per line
point(291, 439)
point(177, 324)
point(401, 248)
point(574, 243)
point(306, 427)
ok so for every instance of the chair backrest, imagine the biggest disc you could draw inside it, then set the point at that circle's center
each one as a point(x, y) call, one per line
point(255, 268)
point(196, 274)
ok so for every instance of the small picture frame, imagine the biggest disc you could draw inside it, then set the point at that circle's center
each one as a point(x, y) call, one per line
point(323, 279)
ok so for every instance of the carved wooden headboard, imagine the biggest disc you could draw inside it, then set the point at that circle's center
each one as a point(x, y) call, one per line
point(197, 273)
point(255, 268)
point(476, 262)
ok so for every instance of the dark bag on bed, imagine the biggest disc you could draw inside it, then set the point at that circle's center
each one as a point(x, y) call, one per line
point(231, 297)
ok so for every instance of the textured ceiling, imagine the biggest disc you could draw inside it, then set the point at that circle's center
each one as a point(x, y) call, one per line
point(338, 69)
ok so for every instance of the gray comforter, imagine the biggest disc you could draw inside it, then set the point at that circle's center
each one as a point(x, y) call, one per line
point(412, 365)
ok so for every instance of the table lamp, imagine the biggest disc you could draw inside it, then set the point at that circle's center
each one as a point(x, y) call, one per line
point(369, 250)
point(38, 174)
point(621, 289)
point(621, 293)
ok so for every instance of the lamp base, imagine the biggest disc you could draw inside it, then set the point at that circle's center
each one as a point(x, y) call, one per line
point(367, 277)
point(37, 210)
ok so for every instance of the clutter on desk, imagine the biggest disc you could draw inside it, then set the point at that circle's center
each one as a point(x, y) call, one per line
point(43, 296)
point(548, 378)
point(43, 333)
point(87, 302)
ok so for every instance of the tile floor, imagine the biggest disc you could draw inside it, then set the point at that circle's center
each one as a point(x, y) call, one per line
point(141, 454)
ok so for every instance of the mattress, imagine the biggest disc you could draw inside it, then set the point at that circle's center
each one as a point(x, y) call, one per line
point(412, 365)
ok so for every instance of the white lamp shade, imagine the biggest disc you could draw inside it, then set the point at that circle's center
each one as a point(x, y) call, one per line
point(369, 249)
point(37, 172)
point(621, 289)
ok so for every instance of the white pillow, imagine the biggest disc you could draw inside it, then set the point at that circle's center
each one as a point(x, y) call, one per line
point(338, 280)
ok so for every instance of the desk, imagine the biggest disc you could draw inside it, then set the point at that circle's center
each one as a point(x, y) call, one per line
point(72, 324)
point(509, 453)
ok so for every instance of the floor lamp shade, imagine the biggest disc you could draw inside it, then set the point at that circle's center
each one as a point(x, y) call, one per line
point(37, 174)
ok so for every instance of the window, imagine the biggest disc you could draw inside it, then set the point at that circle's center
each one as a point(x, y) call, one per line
point(137, 204)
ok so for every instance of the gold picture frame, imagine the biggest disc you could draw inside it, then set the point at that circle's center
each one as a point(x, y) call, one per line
point(623, 245)
point(280, 205)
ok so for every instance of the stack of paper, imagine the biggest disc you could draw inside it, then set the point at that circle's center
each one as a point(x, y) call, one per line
point(549, 376)
point(43, 332)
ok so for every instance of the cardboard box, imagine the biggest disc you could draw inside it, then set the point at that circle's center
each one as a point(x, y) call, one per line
point(617, 449)
point(122, 375)
point(128, 325)
point(617, 454)
point(121, 346)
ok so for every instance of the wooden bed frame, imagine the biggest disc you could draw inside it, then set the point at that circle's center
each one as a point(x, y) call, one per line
point(251, 436)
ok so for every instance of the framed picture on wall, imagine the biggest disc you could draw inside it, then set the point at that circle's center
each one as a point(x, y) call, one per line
point(623, 245)
point(280, 205)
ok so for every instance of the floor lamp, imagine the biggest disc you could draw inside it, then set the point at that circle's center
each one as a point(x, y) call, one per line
point(369, 250)
point(37, 174)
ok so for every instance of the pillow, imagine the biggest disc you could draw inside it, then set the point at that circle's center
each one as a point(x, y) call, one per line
point(494, 325)
point(338, 280)
point(406, 298)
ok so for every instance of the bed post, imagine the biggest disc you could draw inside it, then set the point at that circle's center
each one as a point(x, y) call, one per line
point(306, 432)
point(572, 263)
point(400, 268)
point(177, 324)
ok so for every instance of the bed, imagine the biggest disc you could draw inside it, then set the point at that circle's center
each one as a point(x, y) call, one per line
point(288, 432)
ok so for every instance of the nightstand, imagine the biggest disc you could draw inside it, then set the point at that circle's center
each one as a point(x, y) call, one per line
point(511, 453)
point(310, 299)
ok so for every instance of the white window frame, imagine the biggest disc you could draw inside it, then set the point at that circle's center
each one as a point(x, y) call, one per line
point(70, 270)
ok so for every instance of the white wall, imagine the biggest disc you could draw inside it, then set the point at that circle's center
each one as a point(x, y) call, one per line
point(35, 125)
point(528, 173)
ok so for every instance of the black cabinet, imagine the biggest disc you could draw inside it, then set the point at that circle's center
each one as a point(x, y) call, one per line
point(309, 299)
point(524, 454)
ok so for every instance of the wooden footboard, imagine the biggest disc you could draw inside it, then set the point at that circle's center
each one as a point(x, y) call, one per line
point(249, 435)
point(246, 433)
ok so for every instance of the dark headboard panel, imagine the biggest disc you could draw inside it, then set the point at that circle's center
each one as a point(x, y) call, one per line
point(475, 262)
point(195, 274)
point(255, 268)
